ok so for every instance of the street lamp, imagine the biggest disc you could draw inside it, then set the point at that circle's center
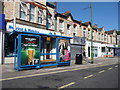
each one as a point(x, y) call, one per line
point(91, 32)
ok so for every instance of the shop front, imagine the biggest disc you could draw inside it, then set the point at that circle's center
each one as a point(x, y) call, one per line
point(35, 49)
point(96, 49)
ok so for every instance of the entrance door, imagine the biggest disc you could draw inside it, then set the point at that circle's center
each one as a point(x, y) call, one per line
point(88, 51)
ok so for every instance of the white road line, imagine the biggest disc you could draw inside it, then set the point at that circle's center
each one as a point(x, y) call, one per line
point(88, 76)
point(116, 66)
point(18, 77)
point(66, 85)
point(109, 68)
point(101, 71)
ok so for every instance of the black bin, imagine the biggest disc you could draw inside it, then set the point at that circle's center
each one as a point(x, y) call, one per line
point(78, 59)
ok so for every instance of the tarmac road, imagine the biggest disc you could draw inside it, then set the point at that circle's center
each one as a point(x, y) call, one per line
point(97, 77)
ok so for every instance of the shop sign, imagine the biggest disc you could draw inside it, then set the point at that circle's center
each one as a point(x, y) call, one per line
point(79, 40)
point(2, 21)
point(30, 50)
point(24, 28)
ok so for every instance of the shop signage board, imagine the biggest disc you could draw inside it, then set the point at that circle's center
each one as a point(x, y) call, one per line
point(2, 21)
point(25, 28)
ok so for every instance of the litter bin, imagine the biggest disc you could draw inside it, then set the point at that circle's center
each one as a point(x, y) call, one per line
point(78, 59)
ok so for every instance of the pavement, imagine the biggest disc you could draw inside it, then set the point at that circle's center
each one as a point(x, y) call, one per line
point(8, 69)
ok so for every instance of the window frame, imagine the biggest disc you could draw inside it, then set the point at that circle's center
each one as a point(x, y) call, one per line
point(32, 13)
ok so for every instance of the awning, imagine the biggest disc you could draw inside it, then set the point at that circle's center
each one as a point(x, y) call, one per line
point(26, 32)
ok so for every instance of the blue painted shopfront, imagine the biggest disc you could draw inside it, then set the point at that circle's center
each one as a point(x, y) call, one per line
point(36, 50)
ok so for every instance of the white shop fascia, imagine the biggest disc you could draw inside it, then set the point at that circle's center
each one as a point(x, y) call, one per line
point(25, 28)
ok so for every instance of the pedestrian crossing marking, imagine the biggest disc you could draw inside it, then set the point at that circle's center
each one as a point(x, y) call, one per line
point(101, 71)
point(66, 85)
point(88, 76)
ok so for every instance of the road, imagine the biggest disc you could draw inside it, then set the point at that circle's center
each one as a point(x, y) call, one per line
point(97, 77)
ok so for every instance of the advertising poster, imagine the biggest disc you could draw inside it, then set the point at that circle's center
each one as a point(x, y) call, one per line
point(30, 50)
point(64, 50)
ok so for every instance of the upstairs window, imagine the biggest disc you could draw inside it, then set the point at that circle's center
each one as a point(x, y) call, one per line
point(93, 35)
point(68, 28)
point(99, 36)
point(105, 38)
point(61, 23)
point(102, 37)
point(40, 15)
point(32, 13)
point(23, 10)
point(75, 28)
point(84, 33)
point(89, 34)
point(111, 39)
point(49, 22)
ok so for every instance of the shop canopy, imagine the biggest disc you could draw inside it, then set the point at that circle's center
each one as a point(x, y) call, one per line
point(50, 34)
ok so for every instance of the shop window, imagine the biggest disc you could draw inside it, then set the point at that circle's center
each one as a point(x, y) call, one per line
point(32, 13)
point(9, 45)
point(103, 49)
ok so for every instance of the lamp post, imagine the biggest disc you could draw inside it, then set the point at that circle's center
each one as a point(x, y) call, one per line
point(91, 32)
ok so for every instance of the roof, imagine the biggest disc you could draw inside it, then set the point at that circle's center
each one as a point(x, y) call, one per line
point(100, 29)
point(50, 4)
point(95, 26)
point(86, 23)
point(66, 14)
point(111, 31)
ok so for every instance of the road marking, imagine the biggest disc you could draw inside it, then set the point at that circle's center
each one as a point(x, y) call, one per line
point(66, 85)
point(116, 66)
point(109, 68)
point(101, 71)
point(52, 72)
point(88, 76)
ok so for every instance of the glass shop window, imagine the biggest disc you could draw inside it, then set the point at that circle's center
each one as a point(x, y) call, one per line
point(9, 45)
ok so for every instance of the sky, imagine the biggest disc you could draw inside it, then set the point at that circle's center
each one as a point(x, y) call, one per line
point(104, 14)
